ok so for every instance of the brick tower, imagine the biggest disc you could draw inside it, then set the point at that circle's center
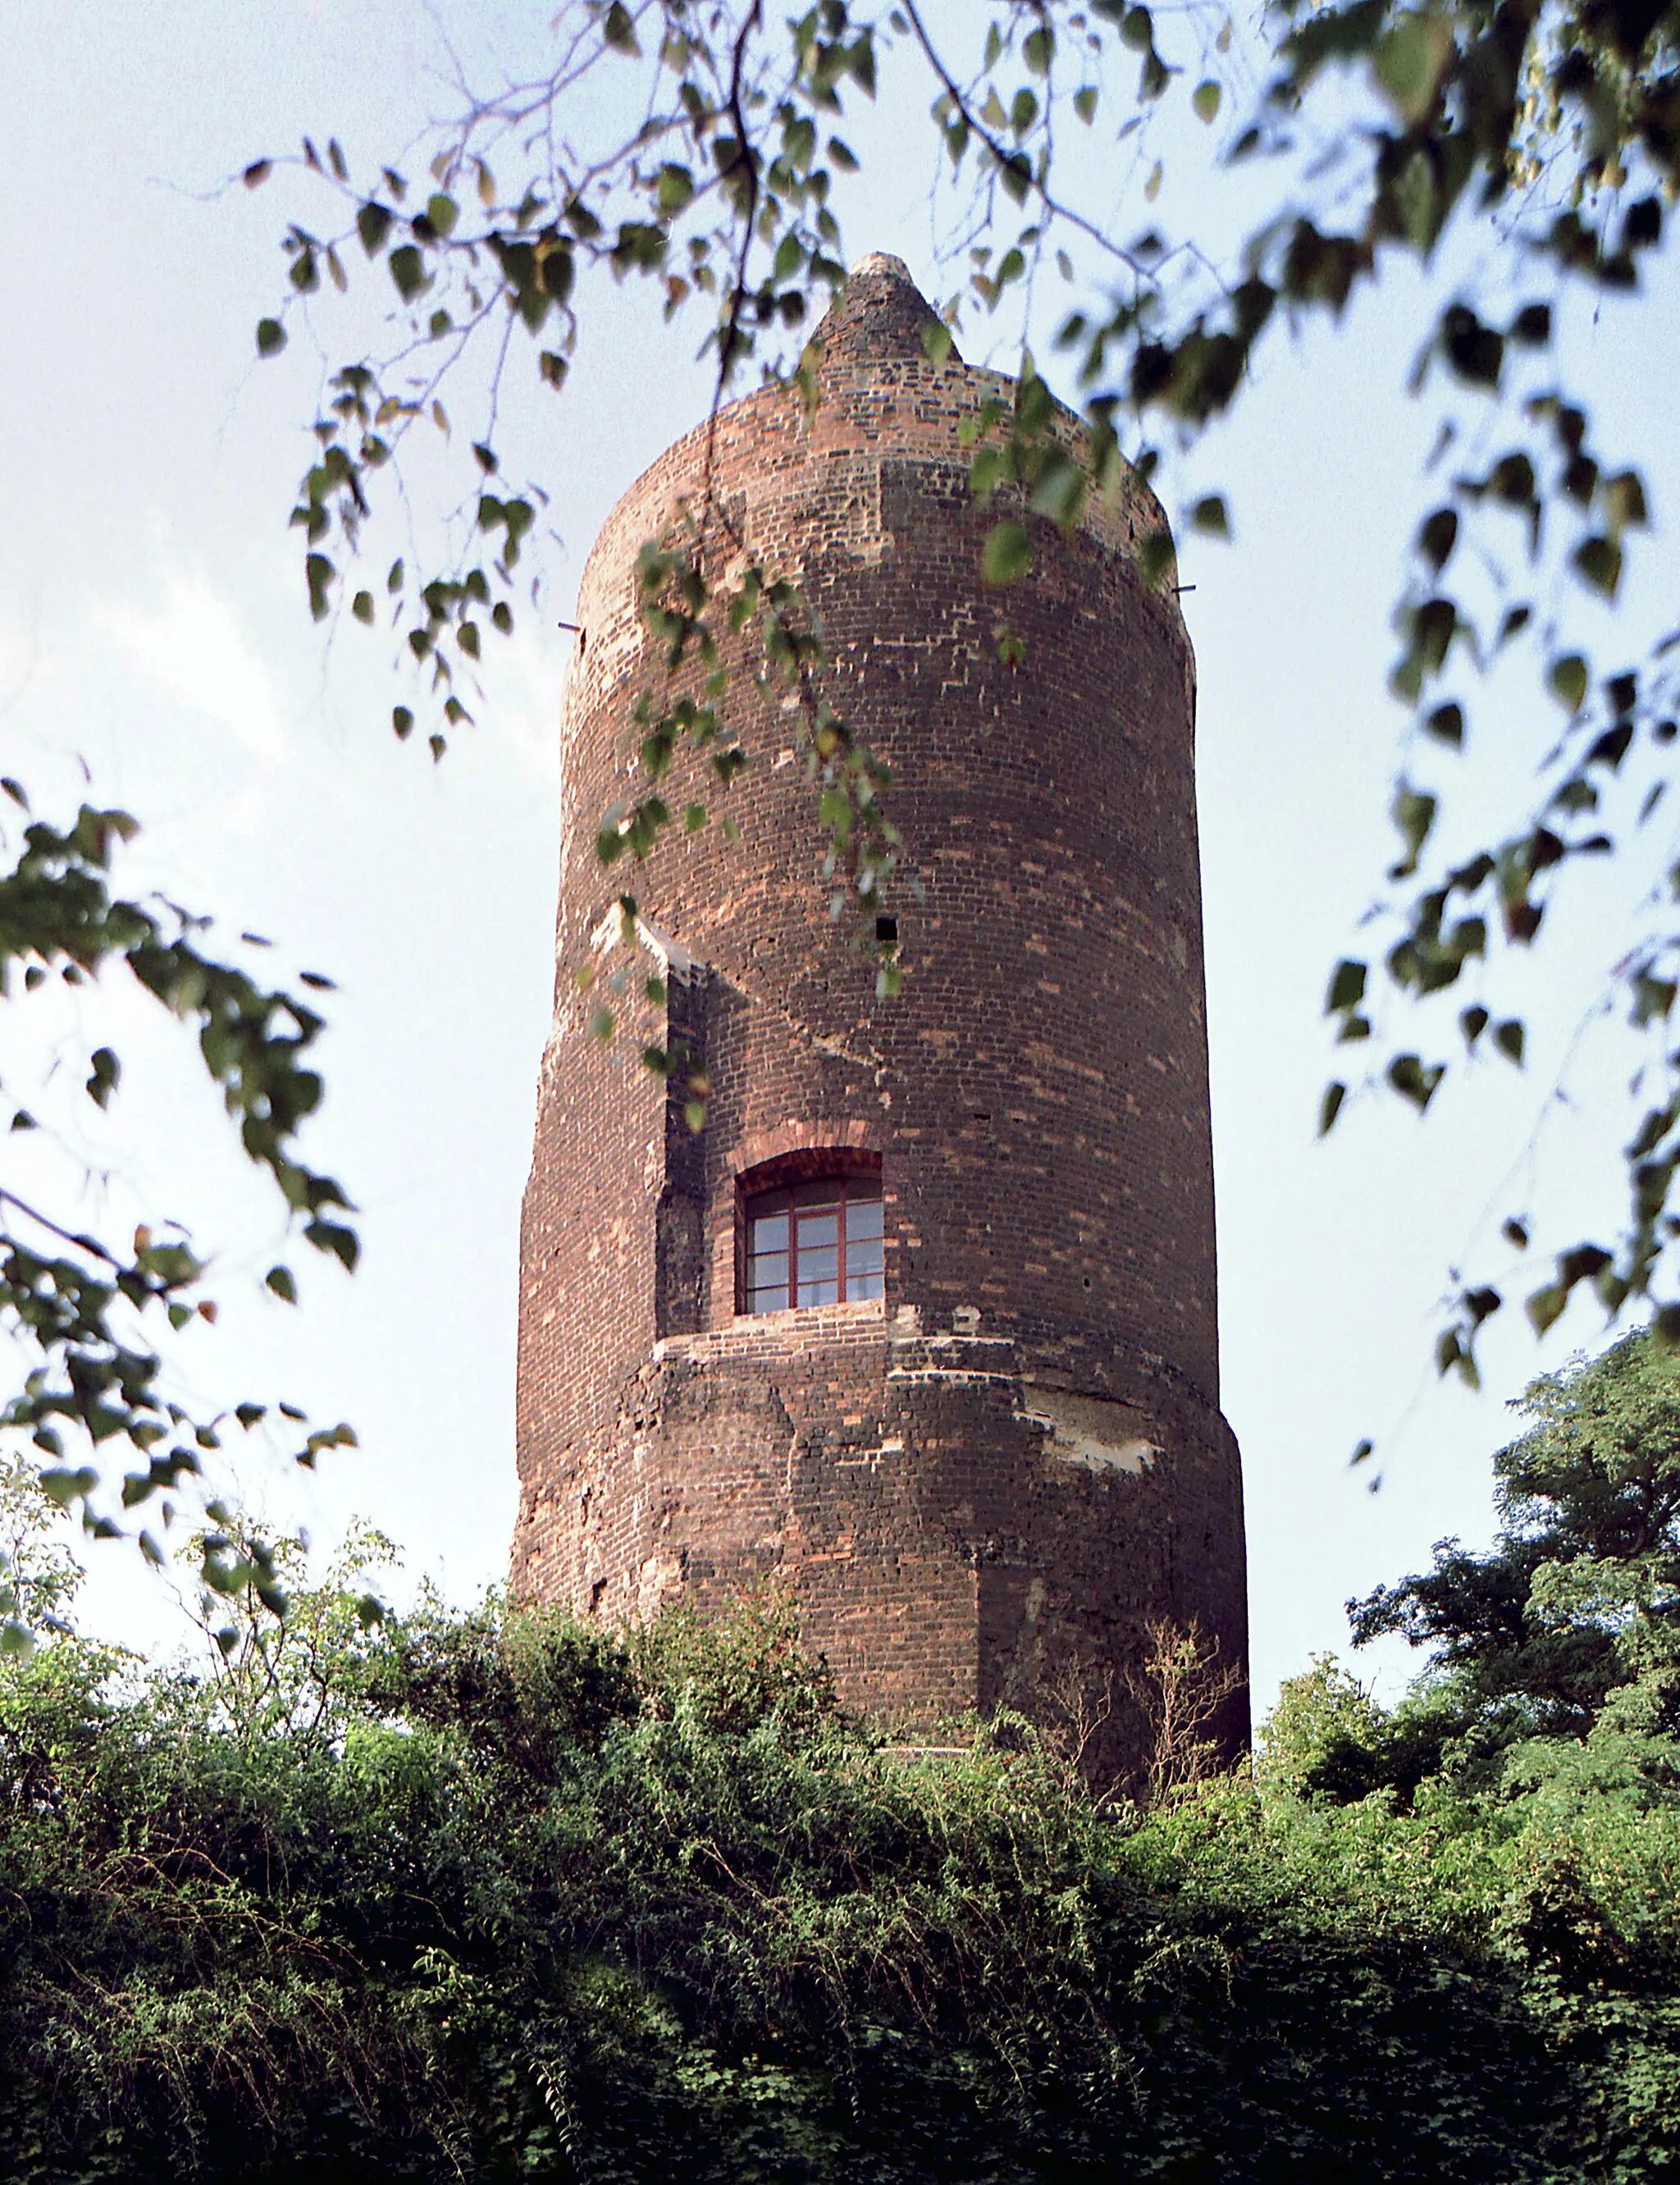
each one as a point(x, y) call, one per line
point(922, 1321)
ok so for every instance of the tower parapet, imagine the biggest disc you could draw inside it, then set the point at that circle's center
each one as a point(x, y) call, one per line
point(922, 1321)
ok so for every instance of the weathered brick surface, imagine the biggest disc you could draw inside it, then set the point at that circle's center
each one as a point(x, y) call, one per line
point(983, 1488)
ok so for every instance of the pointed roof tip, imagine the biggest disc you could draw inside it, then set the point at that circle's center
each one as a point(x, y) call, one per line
point(880, 263)
point(880, 314)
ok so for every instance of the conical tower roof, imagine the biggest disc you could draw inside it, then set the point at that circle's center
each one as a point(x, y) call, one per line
point(880, 314)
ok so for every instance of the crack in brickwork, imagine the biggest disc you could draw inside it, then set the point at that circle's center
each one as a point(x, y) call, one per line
point(994, 1480)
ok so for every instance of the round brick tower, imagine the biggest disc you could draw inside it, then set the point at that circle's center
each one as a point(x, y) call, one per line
point(985, 1452)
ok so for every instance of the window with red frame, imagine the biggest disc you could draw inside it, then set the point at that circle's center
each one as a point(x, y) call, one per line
point(814, 1244)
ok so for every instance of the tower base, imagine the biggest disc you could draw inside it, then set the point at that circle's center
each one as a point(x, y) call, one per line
point(958, 1533)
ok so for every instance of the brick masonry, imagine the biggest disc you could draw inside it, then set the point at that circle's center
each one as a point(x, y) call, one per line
point(984, 1488)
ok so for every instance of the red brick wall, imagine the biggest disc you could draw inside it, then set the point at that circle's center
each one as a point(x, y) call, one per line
point(1037, 1095)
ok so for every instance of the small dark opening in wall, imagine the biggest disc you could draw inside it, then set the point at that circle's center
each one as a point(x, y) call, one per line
point(886, 931)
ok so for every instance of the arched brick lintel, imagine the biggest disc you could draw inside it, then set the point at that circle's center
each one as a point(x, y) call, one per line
point(829, 1144)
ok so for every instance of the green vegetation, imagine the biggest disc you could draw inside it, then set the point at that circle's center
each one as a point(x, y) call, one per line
point(1559, 1650)
point(489, 1896)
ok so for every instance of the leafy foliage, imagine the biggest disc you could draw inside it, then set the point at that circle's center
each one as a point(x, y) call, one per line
point(493, 1896)
point(1569, 1628)
point(84, 1308)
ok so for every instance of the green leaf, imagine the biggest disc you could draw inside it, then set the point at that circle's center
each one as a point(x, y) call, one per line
point(373, 225)
point(271, 338)
point(673, 188)
point(1347, 987)
point(1204, 100)
point(1413, 812)
point(104, 1074)
point(1599, 562)
point(1211, 516)
point(1415, 1081)
point(1061, 490)
point(1566, 679)
point(1155, 556)
point(442, 212)
point(1508, 1037)
point(64, 1486)
point(318, 572)
point(1007, 554)
point(407, 270)
point(1411, 59)
point(1331, 1106)
point(1438, 536)
point(279, 1281)
point(1624, 500)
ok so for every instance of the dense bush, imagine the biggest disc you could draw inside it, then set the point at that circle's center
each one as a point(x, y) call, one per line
point(489, 1896)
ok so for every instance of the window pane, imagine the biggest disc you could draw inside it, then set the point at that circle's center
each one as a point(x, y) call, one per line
point(863, 1268)
point(770, 1233)
point(768, 1282)
point(863, 1219)
point(816, 1231)
point(813, 1290)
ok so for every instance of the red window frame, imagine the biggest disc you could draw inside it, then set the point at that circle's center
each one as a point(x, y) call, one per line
point(790, 1196)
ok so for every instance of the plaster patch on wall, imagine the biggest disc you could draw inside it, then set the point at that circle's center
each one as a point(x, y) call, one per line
point(658, 1580)
point(1092, 1432)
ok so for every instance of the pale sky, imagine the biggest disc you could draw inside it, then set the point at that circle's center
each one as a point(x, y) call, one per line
point(152, 630)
